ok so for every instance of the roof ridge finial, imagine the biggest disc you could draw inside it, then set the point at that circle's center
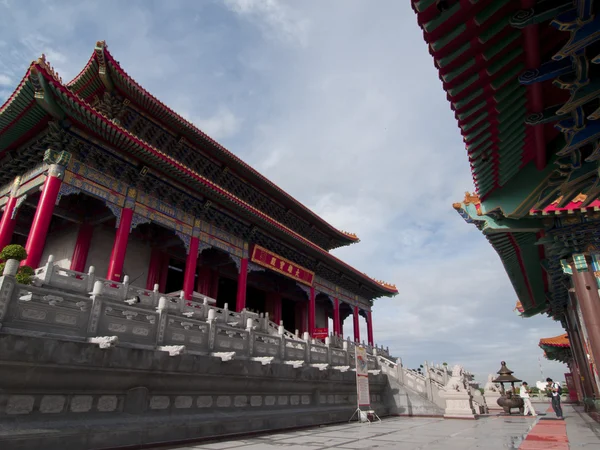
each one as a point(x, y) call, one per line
point(347, 233)
point(380, 282)
point(44, 64)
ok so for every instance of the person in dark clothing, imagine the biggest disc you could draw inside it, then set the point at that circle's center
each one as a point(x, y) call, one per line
point(555, 390)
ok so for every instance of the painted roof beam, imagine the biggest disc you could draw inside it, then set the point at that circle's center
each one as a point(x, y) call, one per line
point(102, 69)
point(43, 98)
point(531, 37)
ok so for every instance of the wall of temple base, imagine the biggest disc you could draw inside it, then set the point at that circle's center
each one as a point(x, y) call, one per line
point(61, 245)
point(320, 316)
point(136, 263)
point(136, 258)
point(92, 398)
point(100, 249)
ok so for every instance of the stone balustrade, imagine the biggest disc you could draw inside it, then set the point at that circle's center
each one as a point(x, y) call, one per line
point(78, 306)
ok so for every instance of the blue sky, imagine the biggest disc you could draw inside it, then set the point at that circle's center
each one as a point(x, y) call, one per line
point(339, 103)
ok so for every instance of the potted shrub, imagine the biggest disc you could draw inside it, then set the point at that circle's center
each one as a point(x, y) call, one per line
point(12, 255)
point(24, 275)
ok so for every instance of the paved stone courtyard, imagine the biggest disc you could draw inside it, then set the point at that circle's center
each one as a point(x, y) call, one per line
point(578, 431)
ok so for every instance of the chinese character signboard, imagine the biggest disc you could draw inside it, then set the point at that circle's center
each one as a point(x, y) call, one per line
point(362, 376)
point(272, 261)
point(320, 333)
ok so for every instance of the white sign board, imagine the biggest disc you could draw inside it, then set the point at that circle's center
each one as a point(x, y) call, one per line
point(362, 376)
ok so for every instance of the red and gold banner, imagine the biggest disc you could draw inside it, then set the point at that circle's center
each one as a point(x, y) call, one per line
point(272, 261)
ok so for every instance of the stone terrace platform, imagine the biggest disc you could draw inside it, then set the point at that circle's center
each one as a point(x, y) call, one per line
point(578, 431)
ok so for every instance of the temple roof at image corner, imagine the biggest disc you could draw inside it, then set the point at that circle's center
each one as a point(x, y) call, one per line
point(41, 96)
point(519, 76)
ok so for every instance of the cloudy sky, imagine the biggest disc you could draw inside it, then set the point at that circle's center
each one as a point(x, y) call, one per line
point(338, 102)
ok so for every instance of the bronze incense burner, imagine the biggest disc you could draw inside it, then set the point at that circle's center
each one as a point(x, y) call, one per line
point(508, 400)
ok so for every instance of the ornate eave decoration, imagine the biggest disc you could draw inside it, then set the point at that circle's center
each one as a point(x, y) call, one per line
point(389, 286)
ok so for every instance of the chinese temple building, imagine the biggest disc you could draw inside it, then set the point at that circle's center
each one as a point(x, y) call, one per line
point(523, 80)
point(98, 172)
point(557, 348)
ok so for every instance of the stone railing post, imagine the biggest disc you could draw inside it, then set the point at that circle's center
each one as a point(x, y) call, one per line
point(96, 308)
point(7, 288)
point(328, 345)
point(163, 310)
point(306, 339)
point(345, 348)
point(181, 302)
point(428, 382)
point(155, 295)
point(91, 278)
point(212, 322)
point(250, 330)
point(48, 270)
point(281, 332)
point(225, 313)
point(125, 291)
point(400, 370)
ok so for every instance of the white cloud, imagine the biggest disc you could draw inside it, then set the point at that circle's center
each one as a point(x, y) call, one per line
point(275, 19)
point(223, 124)
point(5, 80)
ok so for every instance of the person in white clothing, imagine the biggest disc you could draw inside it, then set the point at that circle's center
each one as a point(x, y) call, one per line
point(524, 393)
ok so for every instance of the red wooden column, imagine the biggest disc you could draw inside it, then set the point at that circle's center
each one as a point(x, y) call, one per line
point(336, 317)
point(154, 269)
point(214, 284)
point(356, 329)
point(240, 302)
point(204, 279)
point(586, 290)
point(311, 311)
point(189, 276)
point(117, 257)
point(369, 328)
point(273, 306)
point(164, 272)
point(45, 207)
point(9, 218)
point(82, 247)
point(277, 308)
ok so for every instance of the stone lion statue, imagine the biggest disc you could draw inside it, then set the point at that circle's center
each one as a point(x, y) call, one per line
point(457, 381)
point(490, 386)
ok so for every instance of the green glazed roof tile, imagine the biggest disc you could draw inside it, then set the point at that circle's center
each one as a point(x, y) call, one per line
point(444, 61)
point(441, 18)
point(493, 50)
point(445, 40)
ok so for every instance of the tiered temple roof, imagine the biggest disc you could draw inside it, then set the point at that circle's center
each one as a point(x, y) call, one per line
point(104, 74)
point(521, 77)
point(557, 348)
point(103, 103)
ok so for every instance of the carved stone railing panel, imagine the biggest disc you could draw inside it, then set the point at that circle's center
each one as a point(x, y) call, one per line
point(338, 357)
point(319, 354)
point(194, 334)
point(231, 339)
point(144, 296)
point(266, 345)
point(294, 350)
point(70, 280)
point(35, 310)
point(372, 362)
point(129, 324)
